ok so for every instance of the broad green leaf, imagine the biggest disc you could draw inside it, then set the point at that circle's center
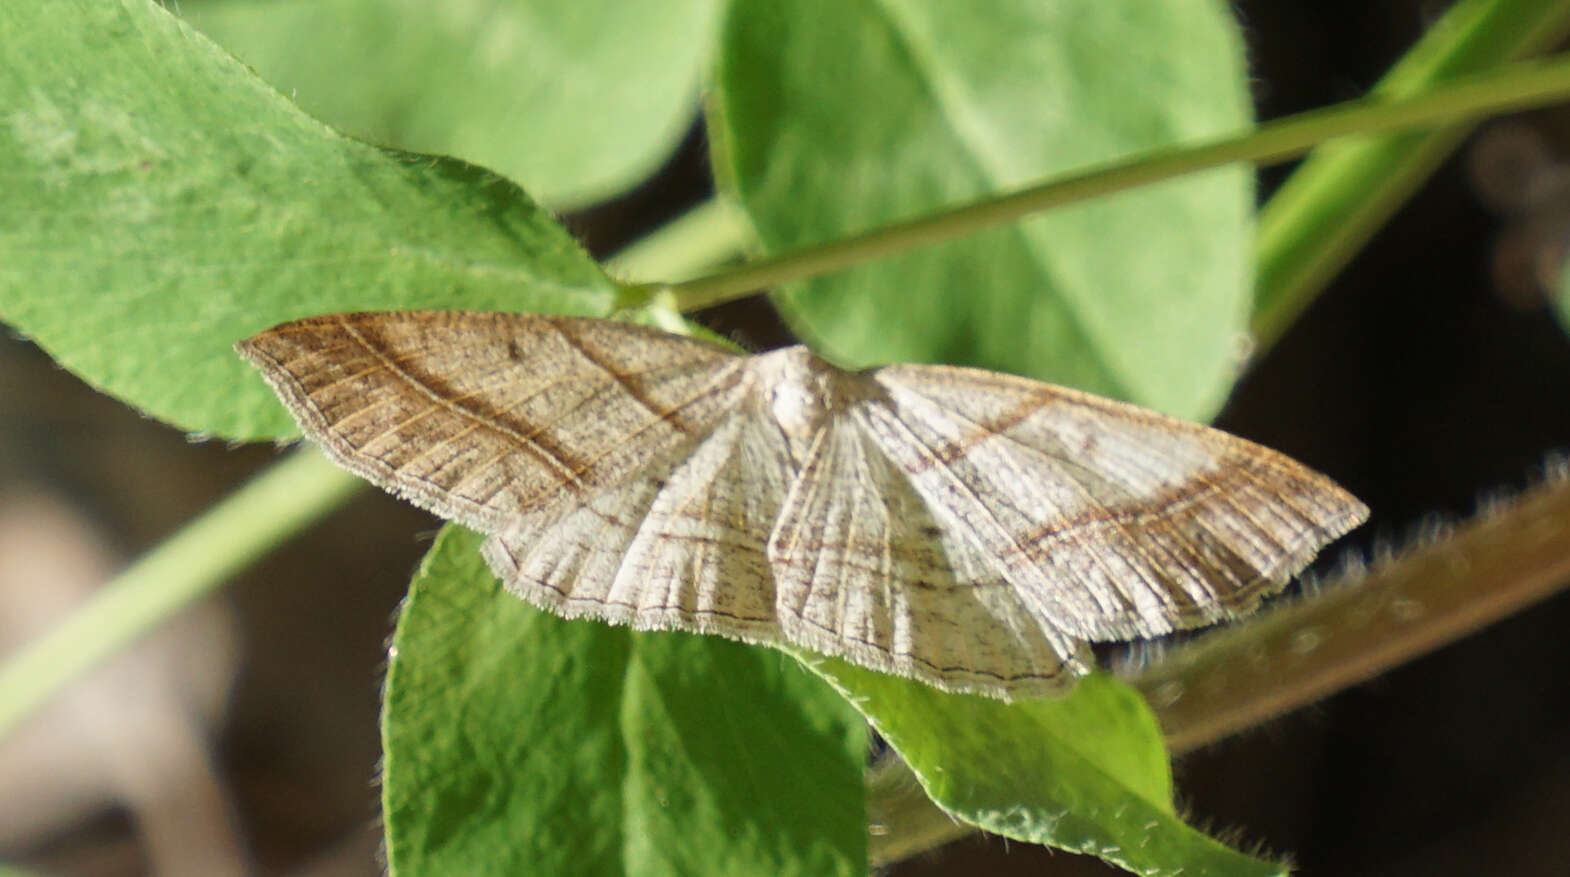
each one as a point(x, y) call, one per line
point(576, 101)
point(1087, 772)
point(519, 743)
point(833, 117)
point(161, 203)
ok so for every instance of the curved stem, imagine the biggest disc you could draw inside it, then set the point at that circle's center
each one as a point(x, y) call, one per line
point(1522, 85)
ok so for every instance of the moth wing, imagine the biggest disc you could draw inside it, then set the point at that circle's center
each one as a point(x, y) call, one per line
point(681, 545)
point(1112, 521)
point(482, 417)
point(865, 572)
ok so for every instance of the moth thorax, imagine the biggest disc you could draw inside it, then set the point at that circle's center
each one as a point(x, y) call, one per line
point(801, 391)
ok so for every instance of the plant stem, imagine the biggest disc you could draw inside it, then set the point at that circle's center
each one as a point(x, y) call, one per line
point(191, 564)
point(1332, 204)
point(1519, 86)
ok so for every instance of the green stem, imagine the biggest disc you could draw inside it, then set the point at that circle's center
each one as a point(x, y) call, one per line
point(1517, 87)
point(191, 564)
point(1331, 205)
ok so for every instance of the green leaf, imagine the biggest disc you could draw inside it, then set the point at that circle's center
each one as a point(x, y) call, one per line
point(519, 743)
point(834, 117)
point(161, 203)
point(1087, 772)
point(576, 101)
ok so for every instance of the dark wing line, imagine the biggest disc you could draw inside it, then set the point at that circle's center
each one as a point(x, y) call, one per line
point(314, 423)
point(1151, 555)
point(849, 642)
point(290, 381)
point(525, 442)
point(1037, 542)
point(1303, 510)
point(626, 525)
point(1003, 539)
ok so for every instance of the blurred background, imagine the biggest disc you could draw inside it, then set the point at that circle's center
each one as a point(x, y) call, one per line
point(242, 738)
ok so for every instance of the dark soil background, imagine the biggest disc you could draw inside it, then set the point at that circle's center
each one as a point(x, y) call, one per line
point(1430, 375)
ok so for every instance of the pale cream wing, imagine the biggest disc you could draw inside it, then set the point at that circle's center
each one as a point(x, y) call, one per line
point(865, 571)
point(679, 545)
point(1112, 521)
point(481, 417)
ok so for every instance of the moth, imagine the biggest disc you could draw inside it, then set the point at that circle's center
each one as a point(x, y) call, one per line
point(965, 528)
